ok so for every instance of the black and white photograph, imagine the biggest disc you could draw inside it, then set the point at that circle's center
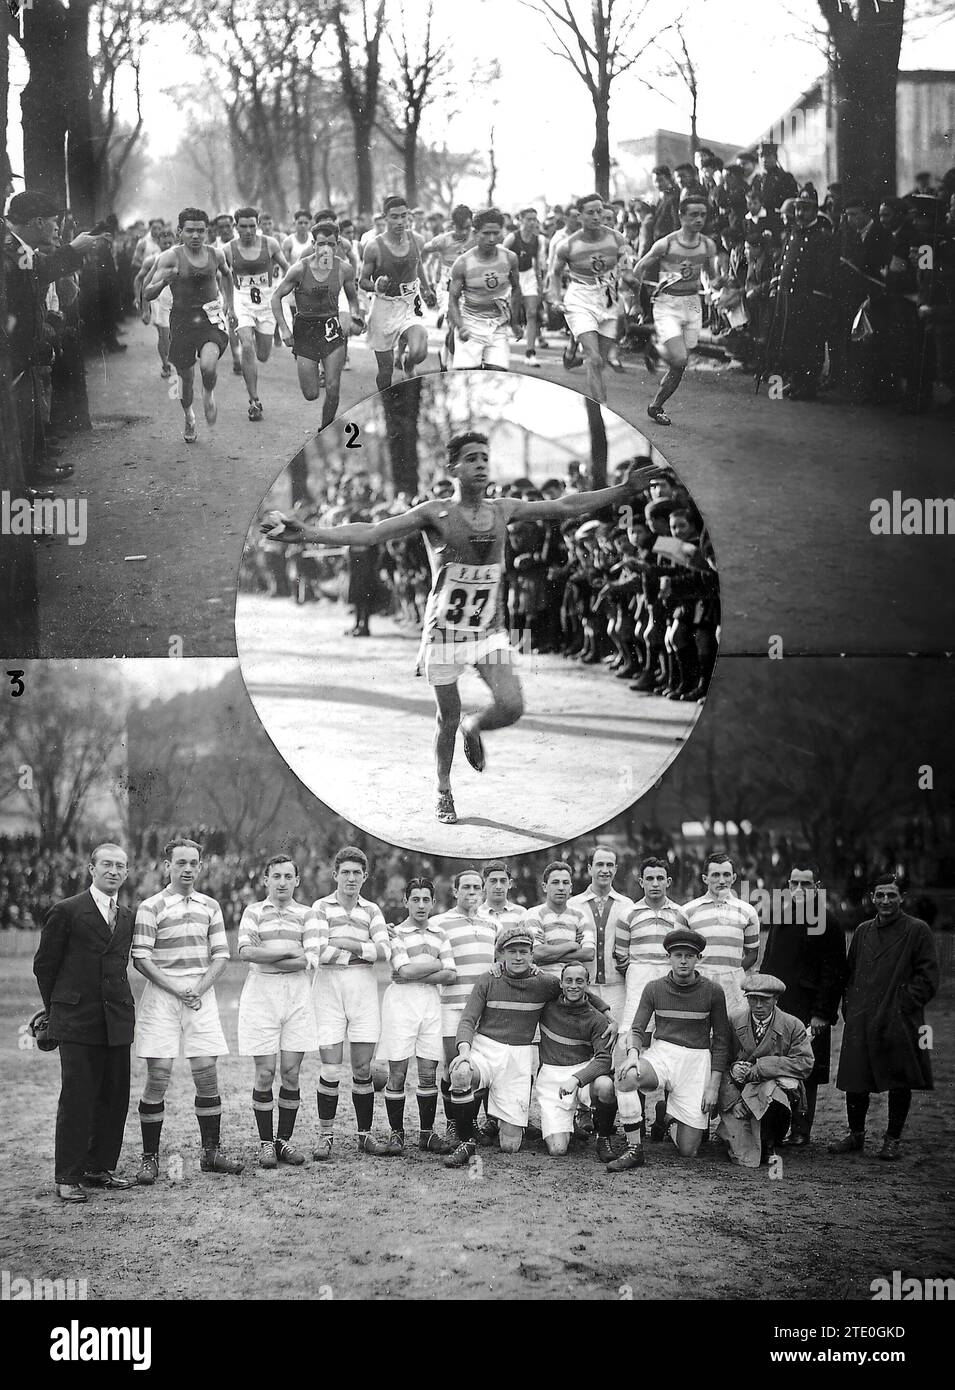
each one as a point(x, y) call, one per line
point(476, 526)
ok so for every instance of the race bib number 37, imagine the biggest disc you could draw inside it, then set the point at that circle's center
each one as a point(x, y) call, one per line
point(468, 599)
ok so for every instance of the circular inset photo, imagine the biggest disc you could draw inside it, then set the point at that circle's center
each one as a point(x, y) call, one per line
point(478, 614)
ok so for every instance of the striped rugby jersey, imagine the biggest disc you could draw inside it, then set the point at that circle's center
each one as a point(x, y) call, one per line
point(692, 1016)
point(506, 1009)
point(572, 1035)
point(292, 923)
point(364, 924)
point(182, 936)
point(639, 938)
point(729, 925)
point(507, 916)
point(408, 943)
point(566, 928)
point(472, 944)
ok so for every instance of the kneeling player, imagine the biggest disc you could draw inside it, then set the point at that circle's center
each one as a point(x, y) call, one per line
point(421, 960)
point(688, 1054)
point(575, 1066)
point(279, 940)
point(494, 1043)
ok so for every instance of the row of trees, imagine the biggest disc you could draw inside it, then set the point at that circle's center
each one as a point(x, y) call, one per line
point(304, 99)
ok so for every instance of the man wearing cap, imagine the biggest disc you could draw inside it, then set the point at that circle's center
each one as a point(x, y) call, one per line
point(494, 1044)
point(776, 183)
point(687, 1056)
point(802, 302)
point(769, 1055)
point(892, 975)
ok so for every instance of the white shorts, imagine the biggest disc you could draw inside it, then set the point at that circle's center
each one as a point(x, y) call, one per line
point(730, 978)
point(257, 316)
point(346, 1001)
point(276, 1015)
point(683, 1072)
point(678, 316)
point(166, 1027)
point(445, 662)
point(450, 1018)
point(529, 283)
point(557, 1111)
point(639, 975)
point(487, 343)
point(442, 291)
point(506, 1072)
point(586, 311)
point(388, 320)
point(410, 1023)
point(159, 308)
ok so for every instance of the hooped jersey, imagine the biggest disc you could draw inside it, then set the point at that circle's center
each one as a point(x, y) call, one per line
point(466, 599)
point(447, 248)
point(487, 285)
point(682, 265)
point(593, 263)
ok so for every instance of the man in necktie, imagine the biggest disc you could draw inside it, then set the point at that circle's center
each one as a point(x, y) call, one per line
point(80, 968)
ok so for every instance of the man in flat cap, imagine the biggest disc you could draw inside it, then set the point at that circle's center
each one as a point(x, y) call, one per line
point(776, 184)
point(770, 1056)
point(892, 975)
point(687, 1056)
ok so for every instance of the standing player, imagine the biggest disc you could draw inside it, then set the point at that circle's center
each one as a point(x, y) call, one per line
point(179, 944)
point(446, 247)
point(252, 276)
point(590, 258)
point(638, 947)
point(559, 932)
point(471, 934)
point(392, 271)
point(680, 259)
point(484, 297)
point(687, 1056)
point(527, 243)
point(279, 941)
point(352, 935)
point(421, 962)
point(157, 313)
point(494, 1046)
point(318, 337)
point(497, 905)
point(195, 272)
point(575, 1067)
point(465, 623)
point(606, 908)
point(728, 926)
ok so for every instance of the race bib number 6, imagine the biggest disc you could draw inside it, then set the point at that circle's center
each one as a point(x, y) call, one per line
point(468, 600)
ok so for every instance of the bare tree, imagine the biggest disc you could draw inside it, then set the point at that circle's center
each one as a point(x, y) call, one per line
point(442, 170)
point(865, 40)
point(359, 50)
point(601, 40)
point(423, 70)
point(681, 67)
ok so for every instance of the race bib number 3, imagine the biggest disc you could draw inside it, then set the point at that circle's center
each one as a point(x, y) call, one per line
point(468, 600)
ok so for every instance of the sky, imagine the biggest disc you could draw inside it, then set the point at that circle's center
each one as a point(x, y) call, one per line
point(754, 57)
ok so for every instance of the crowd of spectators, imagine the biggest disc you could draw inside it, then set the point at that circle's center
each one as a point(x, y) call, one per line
point(32, 877)
point(635, 593)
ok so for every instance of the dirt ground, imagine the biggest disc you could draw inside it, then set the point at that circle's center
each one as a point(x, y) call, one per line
point(785, 488)
point(516, 1227)
point(348, 716)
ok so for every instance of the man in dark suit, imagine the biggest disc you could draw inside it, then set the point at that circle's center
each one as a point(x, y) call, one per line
point(80, 967)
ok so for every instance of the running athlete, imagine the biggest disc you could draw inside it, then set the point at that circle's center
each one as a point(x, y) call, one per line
point(224, 227)
point(464, 620)
point(252, 277)
point(352, 935)
point(278, 939)
point(471, 934)
point(180, 945)
point(157, 313)
point(560, 932)
point(421, 962)
point(195, 272)
point(575, 1068)
point(527, 243)
point(494, 1045)
point(393, 273)
point(446, 248)
point(484, 297)
point(318, 337)
point(298, 242)
point(590, 259)
point(680, 259)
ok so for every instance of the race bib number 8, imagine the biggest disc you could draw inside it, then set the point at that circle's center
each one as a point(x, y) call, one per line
point(468, 600)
